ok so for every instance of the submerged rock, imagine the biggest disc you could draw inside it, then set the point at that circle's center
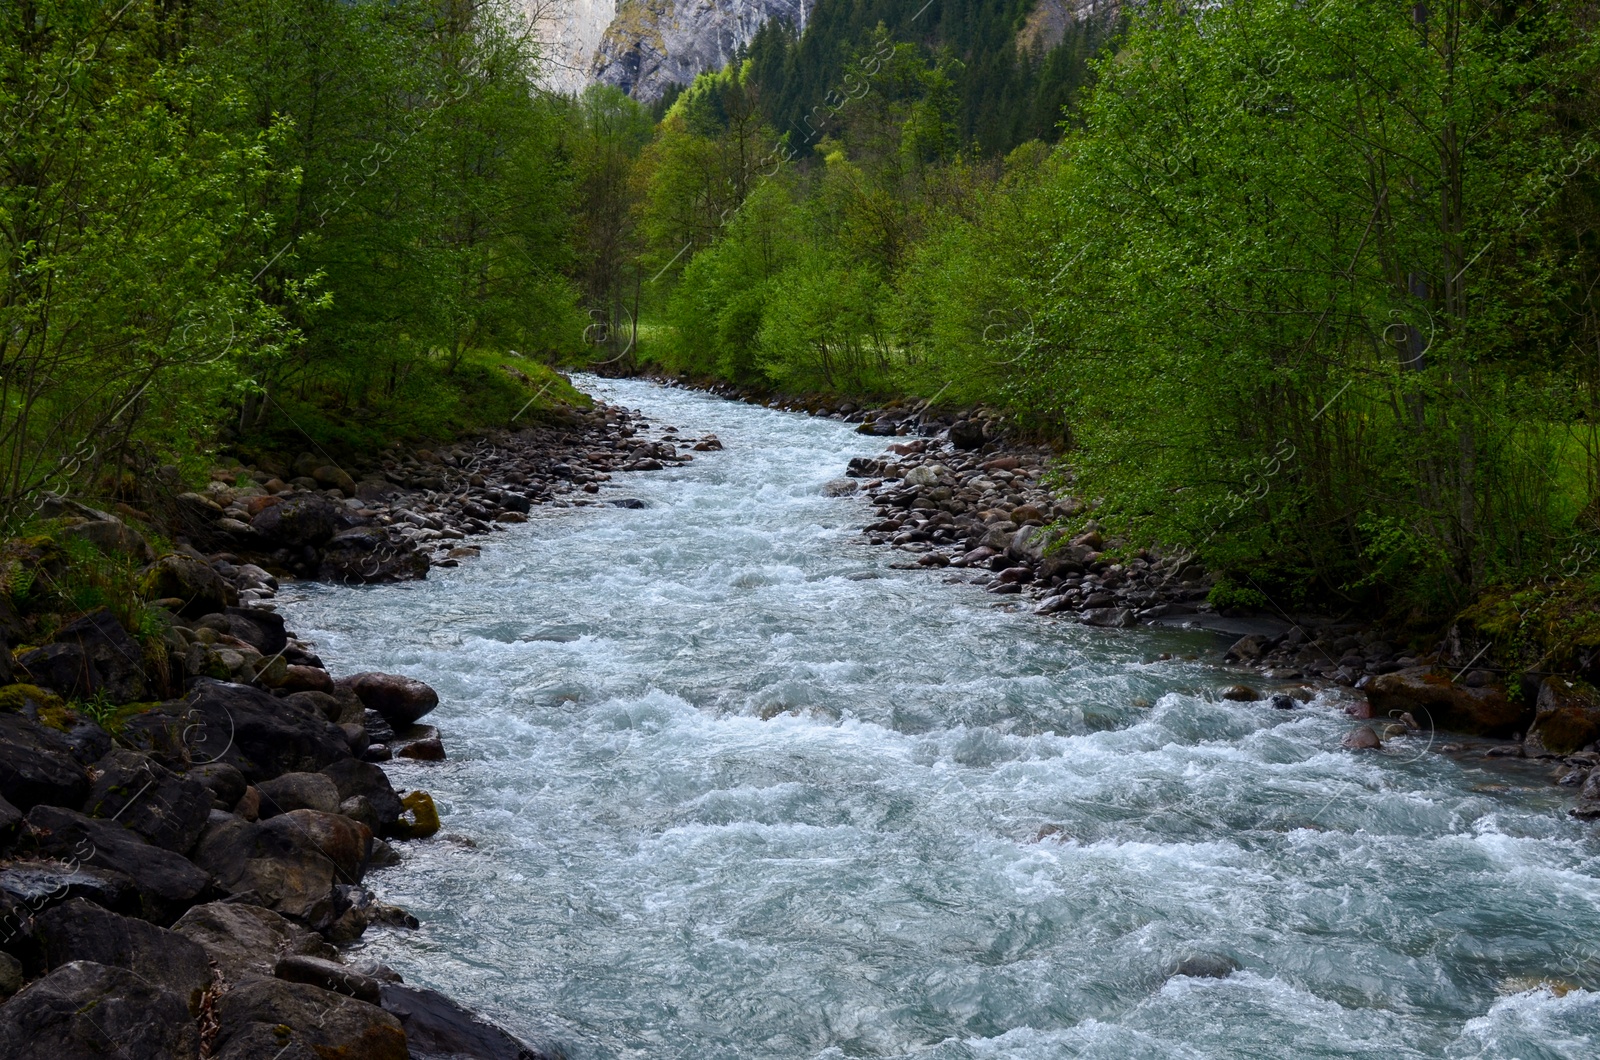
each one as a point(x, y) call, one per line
point(1361, 738)
point(1205, 966)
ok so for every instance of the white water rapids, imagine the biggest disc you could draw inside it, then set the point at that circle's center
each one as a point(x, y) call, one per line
point(739, 790)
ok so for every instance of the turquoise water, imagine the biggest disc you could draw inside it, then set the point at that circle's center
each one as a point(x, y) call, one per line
point(739, 790)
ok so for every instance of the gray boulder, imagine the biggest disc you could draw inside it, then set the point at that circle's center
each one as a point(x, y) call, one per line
point(1566, 718)
point(246, 941)
point(401, 700)
point(292, 862)
point(37, 766)
point(223, 783)
point(264, 1017)
point(310, 519)
point(141, 794)
point(366, 555)
point(298, 791)
point(92, 1011)
point(357, 779)
point(261, 629)
point(201, 590)
point(258, 734)
point(35, 885)
point(329, 975)
point(167, 883)
point(80, 931)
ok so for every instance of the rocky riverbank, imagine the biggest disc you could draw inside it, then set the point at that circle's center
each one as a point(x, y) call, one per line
point(190, 802)
point(962, 499)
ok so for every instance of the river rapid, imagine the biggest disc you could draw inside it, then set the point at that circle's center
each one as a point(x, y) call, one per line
point(740, 790)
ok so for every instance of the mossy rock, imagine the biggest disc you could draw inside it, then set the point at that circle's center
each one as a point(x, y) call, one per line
point(15, 699)
point(424, 814)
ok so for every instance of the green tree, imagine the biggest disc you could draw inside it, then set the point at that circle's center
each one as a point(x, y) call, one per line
point(125, 226)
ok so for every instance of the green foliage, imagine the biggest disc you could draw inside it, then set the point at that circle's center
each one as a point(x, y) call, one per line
point(212, 211)
point(82, 578)
point(1304, 288)
point(1228, 594)
point(1281, 241)
point(432, 402)
point(129, 192)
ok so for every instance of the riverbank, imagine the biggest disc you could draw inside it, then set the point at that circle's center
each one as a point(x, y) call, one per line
point(190, 802)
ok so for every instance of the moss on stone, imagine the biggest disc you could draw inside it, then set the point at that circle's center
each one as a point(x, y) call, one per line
point(14, 699)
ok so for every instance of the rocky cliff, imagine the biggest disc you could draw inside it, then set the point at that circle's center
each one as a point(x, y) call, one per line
point(653, 43)
point(642, 46)
point(570, 32)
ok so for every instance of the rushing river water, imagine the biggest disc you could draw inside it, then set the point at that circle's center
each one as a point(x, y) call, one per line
point(740, 790)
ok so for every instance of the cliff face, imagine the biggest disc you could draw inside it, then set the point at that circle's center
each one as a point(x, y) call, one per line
point(1047, 22)
point(650, 44)
point(569, 32)
point(642, 46)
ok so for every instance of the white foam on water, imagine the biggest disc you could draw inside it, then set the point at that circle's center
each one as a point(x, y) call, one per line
point(954, 835)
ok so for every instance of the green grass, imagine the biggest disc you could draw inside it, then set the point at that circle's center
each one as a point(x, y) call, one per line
point(486, 390)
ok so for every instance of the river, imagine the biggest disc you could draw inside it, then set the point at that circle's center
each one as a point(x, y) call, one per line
point(723, 785)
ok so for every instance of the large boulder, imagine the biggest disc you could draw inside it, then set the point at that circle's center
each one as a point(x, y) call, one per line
point(310, 519)
point(89, 657)
point(193, 582)
point(37, 766)
point(80, 931)
point(141, 794)
point(435, 1026)
point(246, 941)
point(1566, 718)
point(10, 821)
point(261, 629)
point(366, 555)
point(258, 734)
point(334, 477)
point(169, 736)
point(93, 1011)
point(967, 434)
point(1439, 702)
point(298, 791)
point(292, 862)
point(263, 1018)
point(167, 883)
point(401, 700)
